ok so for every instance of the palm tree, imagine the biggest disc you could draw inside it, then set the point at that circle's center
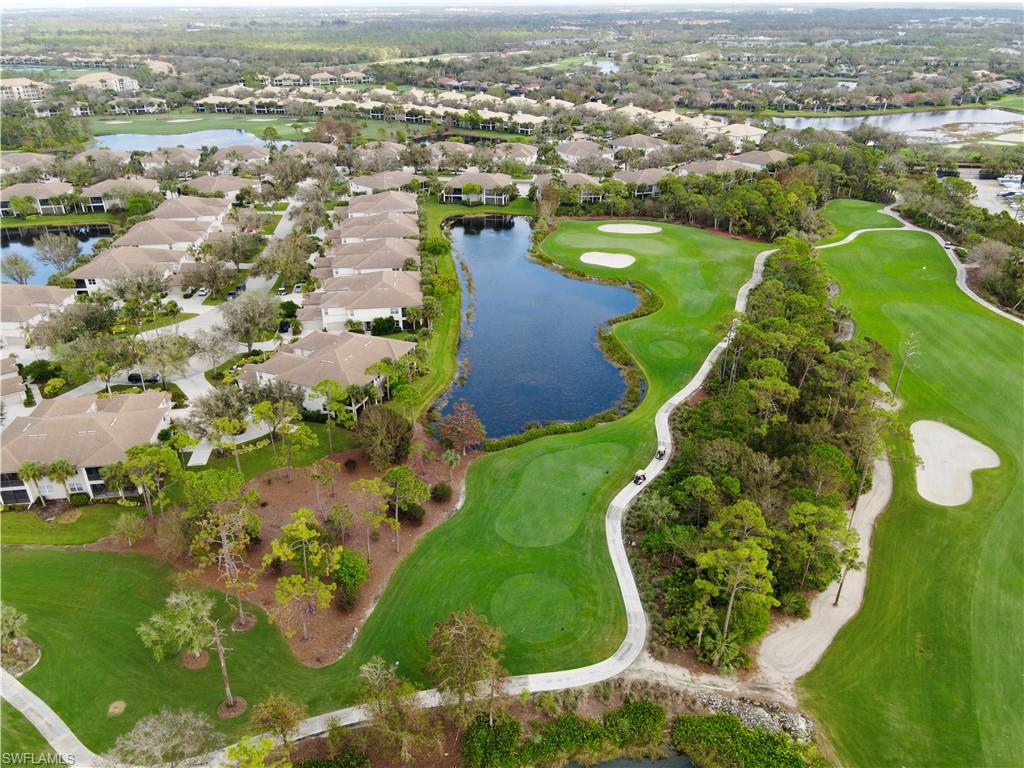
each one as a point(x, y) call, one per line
point(61, 470)
point(173, 309)
point(32, 472)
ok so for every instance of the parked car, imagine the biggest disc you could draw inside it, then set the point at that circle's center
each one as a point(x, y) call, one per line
point(240, 287)
point(232, 294)
point(188, 293)
point(136, 378)
point(282, 291)
point(204, 291)
point(297, 288)
point(284, 326)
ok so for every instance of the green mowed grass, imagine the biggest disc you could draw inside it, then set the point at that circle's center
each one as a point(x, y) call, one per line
point(171, 123)
point(850, 215)
point(528, 547)
point(26, 527)
point(928, 673)
point(18, 735)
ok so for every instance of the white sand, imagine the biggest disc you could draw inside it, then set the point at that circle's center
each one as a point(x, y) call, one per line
point(186, 120)
point(262, 119)
point(116, 122)
point(948, 457)
point(630, 229)
point(603, 259)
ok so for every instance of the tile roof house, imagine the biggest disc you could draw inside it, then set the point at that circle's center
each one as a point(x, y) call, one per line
point(165, 233)
point(588, 187)
point(210, 210)
point(581, 149)
point(374, 227)
point(240, 156)
point(97, 273)
point(761, 158)
point(312, 150)
point(343, 357)
point(386, 254)
point(44, 194)
point(23, 306)
point(105, 81)
point(380, 202)
point(644, 181)
point(379, 182)
point(494, 189)
point(12, 388)
point(23, 89)
point(90, 432)
point(516, 150)
point(168, 155)
point(361, 299)
point(116, 190)
point(15, 162)
point(646, 144)
point(229, 186)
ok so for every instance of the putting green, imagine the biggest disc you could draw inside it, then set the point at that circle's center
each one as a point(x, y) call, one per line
point(928, 672)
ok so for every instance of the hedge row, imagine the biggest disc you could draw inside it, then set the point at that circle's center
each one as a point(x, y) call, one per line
point(634, 728)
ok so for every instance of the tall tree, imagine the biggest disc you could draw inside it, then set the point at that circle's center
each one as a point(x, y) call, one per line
point(57, 250)
point(61, 470)
point(465, 652)
point(462, 429)
point(151, 468)
point(399, 728)
point(17, 268)
point(277, 416)
point(168, 738)
point(280, 715)
point(407, 490)
point(187, 624)
point(377, 492)
point(250, 317)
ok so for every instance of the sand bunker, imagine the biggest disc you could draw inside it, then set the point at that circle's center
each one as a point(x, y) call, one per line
point(630, 229)
point(948, 457)
point(262, 119)
point(602, 259)
point(116, 122)
point(186, 120)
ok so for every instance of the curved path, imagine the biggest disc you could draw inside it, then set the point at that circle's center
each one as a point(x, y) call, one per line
point(787, 657)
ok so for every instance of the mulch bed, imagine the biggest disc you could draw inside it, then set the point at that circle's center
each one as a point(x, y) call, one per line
point(195, 662)
point(224, 712)
point(332, 630)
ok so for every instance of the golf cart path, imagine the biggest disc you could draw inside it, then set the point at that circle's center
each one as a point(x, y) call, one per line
point(786, 654)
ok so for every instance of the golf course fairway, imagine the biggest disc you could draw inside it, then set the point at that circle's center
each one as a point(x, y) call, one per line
point(928, 673)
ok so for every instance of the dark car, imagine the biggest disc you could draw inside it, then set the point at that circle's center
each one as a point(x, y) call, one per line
point(136, 378)
point(232, 294)
point(240, 287)
point(284, 326)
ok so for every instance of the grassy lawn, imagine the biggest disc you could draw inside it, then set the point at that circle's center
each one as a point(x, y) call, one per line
point(18, 735)
point(25, 527)
point(850, 215)
point(164, 124)
point(271, 225)
point(928, 673)
point(67, 220)
point(162, 321)
point(1014, 102)
point(443, 344)
point(528, 547)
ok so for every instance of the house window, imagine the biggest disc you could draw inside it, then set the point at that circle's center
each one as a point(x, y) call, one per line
point(10, 480)
point(90, 281)
point(75, 486)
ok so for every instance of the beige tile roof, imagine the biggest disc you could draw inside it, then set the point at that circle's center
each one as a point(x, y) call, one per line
point(316, 148)
point(163, 232)
point(186, 207)
point(570, 179)
point(387, 180)
point(484, 180)
point(372, 290)
point(376, 226)
point(18, 160)
point(120, 260)
point(246, 152)
point(639, 141)
point(342, 357)
point(714, 166)
point(20, 303)
point(37, 191)
point(386, 253)
point(643, 176)
point(381, 202)
point(87, 431)
point(97, 155)
point(120, 187)
point(220, 183)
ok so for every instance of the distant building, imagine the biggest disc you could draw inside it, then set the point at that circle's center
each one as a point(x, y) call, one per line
point(105, 81)
point(23, 89)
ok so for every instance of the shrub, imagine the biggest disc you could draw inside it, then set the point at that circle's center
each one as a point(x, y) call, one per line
point(440, 492)
point(384, 435)
point(53, 387)
point(382, 326)
point(722, 741)
point(346, 759)
point(40, 371)
point(795, 604)
point(351, 464)
point(351, 573)
point(178, 399)
point(79, 499)
point(484, 746)
point(414, 513)
point(316, 417)
point(635, 724)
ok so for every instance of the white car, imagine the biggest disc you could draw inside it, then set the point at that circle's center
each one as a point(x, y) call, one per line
point(204, 291)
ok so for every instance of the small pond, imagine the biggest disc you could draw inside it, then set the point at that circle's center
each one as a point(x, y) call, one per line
point(604, 66)
point(528, 350)
point(908, 123)
point(144, 142)
point(21, 240)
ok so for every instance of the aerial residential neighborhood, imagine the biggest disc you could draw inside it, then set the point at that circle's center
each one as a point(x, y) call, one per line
point(511, 387)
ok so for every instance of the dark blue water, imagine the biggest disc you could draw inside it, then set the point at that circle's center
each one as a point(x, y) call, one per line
point(20, 240)
point(529, 347)
point(143, 142)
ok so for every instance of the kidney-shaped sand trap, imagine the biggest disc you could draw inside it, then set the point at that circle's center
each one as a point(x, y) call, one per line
point(630, 229)
point(603, 259)
point(948, 457)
